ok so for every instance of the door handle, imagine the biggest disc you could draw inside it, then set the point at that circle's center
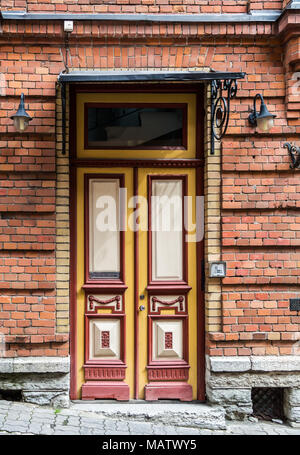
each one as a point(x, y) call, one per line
point(142, 307)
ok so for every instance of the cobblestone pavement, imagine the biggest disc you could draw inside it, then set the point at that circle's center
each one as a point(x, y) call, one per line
point(24, 418)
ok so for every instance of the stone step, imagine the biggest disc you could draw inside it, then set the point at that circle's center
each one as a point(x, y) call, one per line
point(192, 414)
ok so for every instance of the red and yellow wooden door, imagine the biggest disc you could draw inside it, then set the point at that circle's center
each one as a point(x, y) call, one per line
point(136, 288)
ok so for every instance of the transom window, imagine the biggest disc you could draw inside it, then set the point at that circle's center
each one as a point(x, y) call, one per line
point(135, 125)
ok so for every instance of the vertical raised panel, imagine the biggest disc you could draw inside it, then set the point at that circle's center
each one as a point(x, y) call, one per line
point(104, 236)
point(105, 339)
point(166, 227)
point(167, 340)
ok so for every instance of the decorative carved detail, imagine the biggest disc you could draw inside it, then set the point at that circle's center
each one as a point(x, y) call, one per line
point(104, 373)
point(168, 374)
point(179, 299)
point(163, 162)
point(93, 299)
point(168, 340)
point(105, 339)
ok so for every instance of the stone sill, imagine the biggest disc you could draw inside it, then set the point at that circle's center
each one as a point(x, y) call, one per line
point(36, 339)
point(35, 365)
point(232, 364)
point(254, 336)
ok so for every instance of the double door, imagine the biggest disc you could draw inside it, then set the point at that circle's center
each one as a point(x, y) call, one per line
point(137, 302)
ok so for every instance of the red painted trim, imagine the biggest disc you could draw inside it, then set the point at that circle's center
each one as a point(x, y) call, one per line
point(167, 390)
point(113, 390)
point(146, 162)
point(136, 295)
point(200, 303)
point(104, 373)
point(169, 288)
point(73, 280)
point(73, 249)
point(182, 106)
point(88, 281)
point(150, 179)
point(168, 373)
point(116, 286)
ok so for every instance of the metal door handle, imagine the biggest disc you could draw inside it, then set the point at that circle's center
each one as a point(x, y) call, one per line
point(142, 307)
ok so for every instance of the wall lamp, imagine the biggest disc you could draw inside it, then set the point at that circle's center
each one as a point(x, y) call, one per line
point(264, 120)
point(294, 153)
point(21, 118)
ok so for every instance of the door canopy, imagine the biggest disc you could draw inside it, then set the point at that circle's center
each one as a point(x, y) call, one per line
point(223, 87)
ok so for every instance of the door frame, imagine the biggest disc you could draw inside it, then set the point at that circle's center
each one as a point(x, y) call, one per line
point(197, 163)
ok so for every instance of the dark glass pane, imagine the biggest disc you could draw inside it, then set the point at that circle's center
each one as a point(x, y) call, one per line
point(135, 127)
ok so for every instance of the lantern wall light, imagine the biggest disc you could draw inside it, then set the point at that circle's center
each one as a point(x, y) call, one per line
point(21, 118)
point(264, 120)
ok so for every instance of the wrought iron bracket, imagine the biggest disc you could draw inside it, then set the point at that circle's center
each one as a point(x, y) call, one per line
point(220, 108)
point(294, 153)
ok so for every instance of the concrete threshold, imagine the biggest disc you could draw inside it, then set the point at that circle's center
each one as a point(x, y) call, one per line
point(190, 414)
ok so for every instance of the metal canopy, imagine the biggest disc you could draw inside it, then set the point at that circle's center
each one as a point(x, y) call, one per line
point(220, 81)
point(147, 76)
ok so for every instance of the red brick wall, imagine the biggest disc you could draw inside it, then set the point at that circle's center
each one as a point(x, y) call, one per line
point(260, 194)
point(140, 6)
point(27, 201)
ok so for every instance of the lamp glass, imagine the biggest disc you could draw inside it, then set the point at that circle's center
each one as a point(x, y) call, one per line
point(265, 124)
point(21, 123)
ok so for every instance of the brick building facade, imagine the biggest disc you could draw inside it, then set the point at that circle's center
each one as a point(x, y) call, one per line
point(251, 193)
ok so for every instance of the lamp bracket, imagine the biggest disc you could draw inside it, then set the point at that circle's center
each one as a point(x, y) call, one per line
point(252, 118)
point(294, 153)
point(220, 107)
point(253, 115)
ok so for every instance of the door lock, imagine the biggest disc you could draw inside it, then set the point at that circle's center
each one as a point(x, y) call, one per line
point(142, 307)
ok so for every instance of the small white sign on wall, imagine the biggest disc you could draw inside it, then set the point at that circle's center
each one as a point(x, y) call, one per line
point(217, 269)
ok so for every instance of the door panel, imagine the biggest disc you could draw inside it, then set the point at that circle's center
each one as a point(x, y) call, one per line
point(105, 291)
point(168, 367)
